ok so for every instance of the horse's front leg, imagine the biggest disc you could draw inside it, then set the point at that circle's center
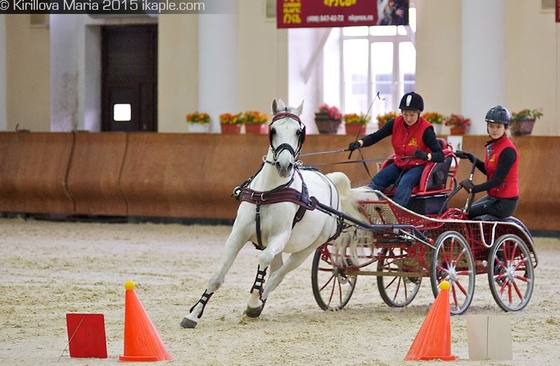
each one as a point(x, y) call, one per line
point(271, 256)
point(232, 247)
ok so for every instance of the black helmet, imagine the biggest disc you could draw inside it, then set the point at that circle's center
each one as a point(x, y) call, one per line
point(498, 114)
point(412, 100)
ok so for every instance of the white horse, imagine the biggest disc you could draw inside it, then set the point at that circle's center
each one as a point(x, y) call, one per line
point(277, 213)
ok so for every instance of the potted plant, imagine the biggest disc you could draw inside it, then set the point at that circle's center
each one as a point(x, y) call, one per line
point(230, 123)
point(457, 124)
point(198, 122)
point(522, 122)
point(356, 123)
point(328, 118)
point(255, 122)
point(435, 118)
point(382, 119)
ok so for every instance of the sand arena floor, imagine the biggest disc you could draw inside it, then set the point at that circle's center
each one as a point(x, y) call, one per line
point(48, 269)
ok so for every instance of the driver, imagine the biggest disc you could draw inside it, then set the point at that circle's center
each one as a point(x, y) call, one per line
point(500, 167)
point(415, 144)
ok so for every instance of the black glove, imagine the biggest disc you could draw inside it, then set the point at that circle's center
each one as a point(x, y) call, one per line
point(464, 155)
point(354, 145)
point(420, 154)
point(467, 184)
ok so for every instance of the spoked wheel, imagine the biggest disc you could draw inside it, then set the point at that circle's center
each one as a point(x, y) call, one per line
point(511, 273)
point(332, 288)
point(395, 289)
point(453, 261)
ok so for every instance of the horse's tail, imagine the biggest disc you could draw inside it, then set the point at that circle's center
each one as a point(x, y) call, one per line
point(342, 184)
point(350, 197)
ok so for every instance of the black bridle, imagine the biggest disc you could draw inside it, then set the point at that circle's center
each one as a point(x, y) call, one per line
point(285, 146)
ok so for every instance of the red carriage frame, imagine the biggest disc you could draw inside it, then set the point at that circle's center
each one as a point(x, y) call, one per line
point(400, 247)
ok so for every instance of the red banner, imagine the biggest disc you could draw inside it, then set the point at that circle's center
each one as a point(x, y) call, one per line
point(340, 13)
point(557, 11)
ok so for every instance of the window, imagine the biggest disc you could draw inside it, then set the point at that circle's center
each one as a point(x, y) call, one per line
point(122, 113)
point(378, 66)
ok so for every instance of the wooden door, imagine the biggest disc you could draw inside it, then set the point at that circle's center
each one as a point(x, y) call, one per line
point(129, 78)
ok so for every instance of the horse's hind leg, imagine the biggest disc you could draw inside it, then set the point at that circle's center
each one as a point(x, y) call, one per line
point(292, 262)
point(231, 249)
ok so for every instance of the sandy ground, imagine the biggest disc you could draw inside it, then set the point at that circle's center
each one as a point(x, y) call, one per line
point(49, 269)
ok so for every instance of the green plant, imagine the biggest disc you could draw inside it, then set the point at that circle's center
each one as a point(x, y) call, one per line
point(354, 118)
point(457, 120)
point(433, 117)
point(254, 117)
point(198, 117)
point(382, 119)
point(527, 114)
point(332, 111)
point(230, 119)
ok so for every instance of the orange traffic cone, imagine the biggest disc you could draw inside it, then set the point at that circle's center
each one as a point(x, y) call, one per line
point(141, 339)
point(433, 340)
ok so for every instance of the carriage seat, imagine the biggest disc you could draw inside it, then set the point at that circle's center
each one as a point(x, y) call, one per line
point(436, 182)
point(437, 178)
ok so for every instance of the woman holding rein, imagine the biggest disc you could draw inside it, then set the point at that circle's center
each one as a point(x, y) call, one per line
point(415, 144)
point(500, 167)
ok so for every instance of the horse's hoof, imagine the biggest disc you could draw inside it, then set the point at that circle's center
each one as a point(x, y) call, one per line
point(253, 312)
point(187, 323)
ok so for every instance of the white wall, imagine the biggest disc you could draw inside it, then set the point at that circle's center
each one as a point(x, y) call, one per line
point(532, 63)
point(177, 71)
point(27, 74)
point(262, 59)
point(274, 63)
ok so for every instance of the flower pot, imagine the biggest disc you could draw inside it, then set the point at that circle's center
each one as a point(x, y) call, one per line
point(355, 129)
point(231, 129)
point(325, 124)
point(522, 126)
point(198, 127)
point(457, 130)
point(256, 128)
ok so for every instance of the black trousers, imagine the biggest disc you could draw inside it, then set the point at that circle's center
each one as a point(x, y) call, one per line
point(487, 205)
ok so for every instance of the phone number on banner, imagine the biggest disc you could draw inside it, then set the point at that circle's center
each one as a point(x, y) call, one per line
point(338, 18)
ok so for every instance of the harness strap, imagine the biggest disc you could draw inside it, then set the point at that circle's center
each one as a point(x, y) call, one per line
point(302, 209)
point(283, 193)
point(259, 244)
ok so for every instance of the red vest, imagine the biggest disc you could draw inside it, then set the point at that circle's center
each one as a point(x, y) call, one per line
point(406, 139)
point(509, 187)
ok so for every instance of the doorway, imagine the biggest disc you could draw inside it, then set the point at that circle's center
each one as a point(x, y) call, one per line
point(129, 78)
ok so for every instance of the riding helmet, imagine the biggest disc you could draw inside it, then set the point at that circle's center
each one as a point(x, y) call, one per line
point(412, 101)
point(498, 114)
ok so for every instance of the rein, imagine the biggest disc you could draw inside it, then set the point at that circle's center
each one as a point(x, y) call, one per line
point(351, 162)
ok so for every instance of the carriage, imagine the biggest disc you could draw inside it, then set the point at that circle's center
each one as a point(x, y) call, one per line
point(402, 245)
point(286, 207)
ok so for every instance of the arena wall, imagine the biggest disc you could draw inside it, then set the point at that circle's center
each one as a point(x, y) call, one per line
point(191, 176)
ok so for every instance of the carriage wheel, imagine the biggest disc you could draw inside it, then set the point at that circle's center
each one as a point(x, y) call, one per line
point(453, 261)
point(511, 275)
point(396, 291)
point(332, 288)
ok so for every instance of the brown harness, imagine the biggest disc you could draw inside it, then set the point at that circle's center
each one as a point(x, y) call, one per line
point(279, 194)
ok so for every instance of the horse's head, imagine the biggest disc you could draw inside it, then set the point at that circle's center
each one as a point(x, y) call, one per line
point(286, 133)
